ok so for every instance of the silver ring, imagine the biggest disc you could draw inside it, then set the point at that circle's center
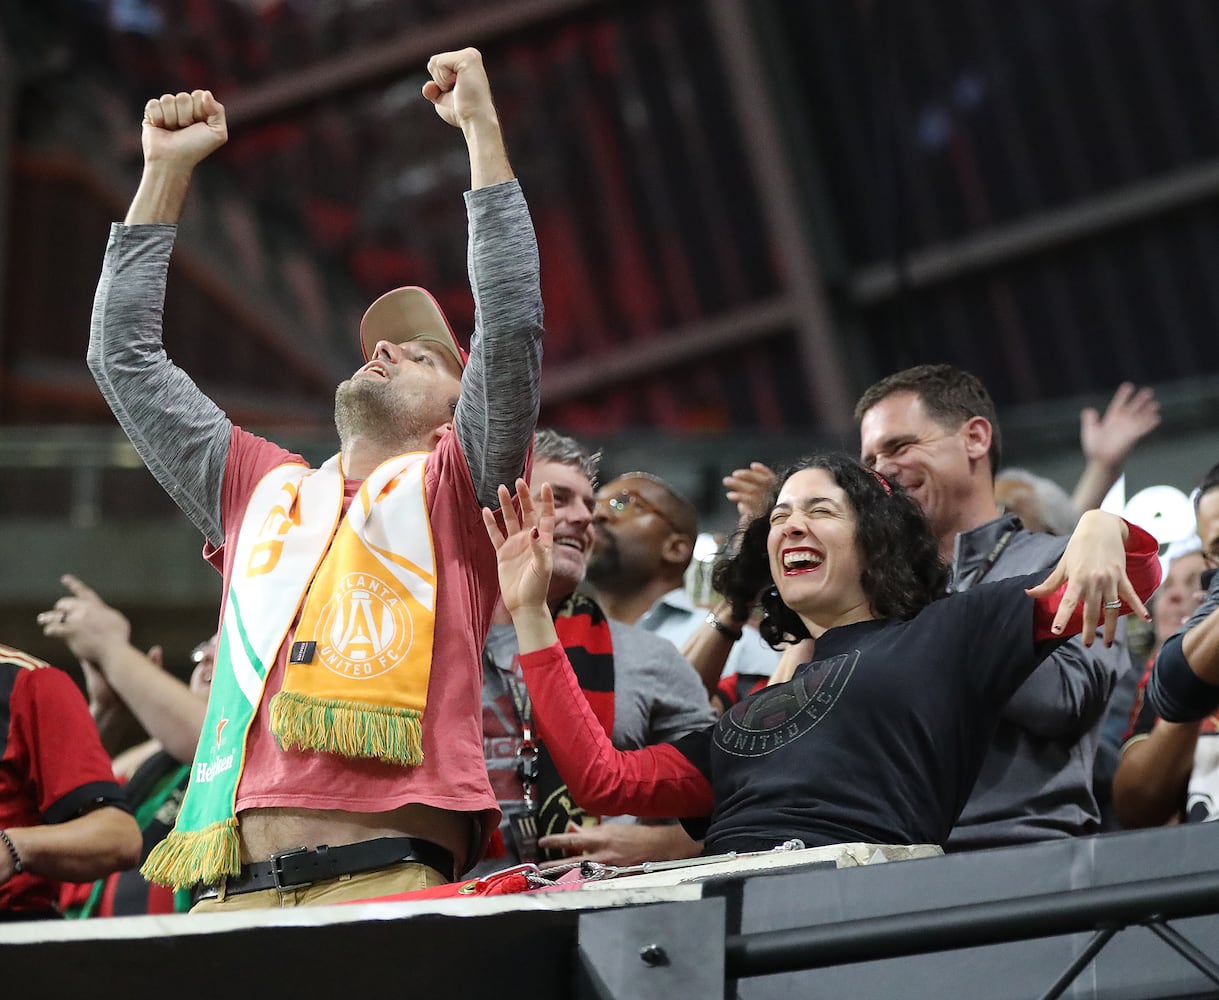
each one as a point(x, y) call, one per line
point(1113, 605)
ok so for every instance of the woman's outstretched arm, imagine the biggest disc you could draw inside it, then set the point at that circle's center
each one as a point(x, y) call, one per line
point(654, 781)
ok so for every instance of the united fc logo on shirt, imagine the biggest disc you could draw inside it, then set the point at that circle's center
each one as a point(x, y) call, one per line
point(779, 715)
point(365, 629)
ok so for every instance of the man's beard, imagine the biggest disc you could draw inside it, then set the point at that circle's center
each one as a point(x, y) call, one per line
point(373, 411)
point(604, 562)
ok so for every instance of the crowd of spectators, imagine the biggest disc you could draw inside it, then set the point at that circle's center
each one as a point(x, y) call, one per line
point(906, 646)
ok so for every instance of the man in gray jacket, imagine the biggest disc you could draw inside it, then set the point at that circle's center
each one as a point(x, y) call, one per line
point(933, 429)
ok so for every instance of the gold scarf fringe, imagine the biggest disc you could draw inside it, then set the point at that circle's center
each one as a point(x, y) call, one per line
point(348, 728)
point(187, 857)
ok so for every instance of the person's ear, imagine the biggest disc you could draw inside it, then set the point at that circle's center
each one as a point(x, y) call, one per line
point(677, 549)
point(977, 433)
point(439, 432)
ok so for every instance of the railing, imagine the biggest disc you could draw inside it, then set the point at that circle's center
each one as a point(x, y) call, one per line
point(1104, 909)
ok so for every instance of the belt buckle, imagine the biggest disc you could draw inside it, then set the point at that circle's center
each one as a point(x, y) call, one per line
point(277, 870)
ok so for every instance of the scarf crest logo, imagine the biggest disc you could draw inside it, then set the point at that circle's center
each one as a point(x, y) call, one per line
point(366, 628)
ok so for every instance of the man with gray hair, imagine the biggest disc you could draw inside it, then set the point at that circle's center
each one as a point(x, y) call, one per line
point(1040, 503)
point(638, 685)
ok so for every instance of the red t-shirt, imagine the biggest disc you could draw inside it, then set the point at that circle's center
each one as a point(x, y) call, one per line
point(453, 775)
point(52, 764)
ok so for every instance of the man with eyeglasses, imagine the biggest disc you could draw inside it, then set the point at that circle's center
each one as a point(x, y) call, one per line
point(122, 679)
point(643, 544)
point(641, 689)
point(1184, 683)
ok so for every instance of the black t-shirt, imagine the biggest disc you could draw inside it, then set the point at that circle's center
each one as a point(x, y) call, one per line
point(880, 738)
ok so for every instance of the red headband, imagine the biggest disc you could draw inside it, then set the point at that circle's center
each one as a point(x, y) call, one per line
point(883, 482)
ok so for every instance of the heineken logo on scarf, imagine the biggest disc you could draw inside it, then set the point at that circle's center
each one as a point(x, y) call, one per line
point(357, 679)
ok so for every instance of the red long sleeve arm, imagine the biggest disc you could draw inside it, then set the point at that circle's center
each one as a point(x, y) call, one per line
point(653, 781)
point(1142, 566)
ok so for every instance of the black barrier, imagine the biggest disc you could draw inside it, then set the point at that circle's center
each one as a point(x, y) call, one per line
point(1150, 902)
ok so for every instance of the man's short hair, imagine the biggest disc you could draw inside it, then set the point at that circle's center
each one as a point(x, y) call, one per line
point(949, 394)
point(551, 446)
point(683, 514)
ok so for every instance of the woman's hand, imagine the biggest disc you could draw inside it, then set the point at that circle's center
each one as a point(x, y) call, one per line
point(1093, 568)
point(525, 549)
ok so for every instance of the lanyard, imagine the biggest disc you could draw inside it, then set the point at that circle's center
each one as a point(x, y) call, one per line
point(528, 752)
point(980, 572)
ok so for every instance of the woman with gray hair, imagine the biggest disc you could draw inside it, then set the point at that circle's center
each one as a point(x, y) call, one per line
point(1040, 503)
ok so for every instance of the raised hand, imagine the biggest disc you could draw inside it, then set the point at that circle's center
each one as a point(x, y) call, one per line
point(182, 129)
point(525, 548)
point(459, 88)
point(1130, 416)
point(91, 628)
point(750, 489)
point(1093, 567)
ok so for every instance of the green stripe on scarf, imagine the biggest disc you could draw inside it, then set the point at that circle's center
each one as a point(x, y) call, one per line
point(204, 844)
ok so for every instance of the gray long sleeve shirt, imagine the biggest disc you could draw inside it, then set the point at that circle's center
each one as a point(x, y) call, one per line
point(183, 437)
point(1036, 780)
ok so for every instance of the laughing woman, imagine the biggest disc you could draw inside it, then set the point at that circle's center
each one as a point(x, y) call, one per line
point(880, 736)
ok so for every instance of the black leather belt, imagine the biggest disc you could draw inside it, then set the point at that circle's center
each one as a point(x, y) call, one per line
point(304, 866)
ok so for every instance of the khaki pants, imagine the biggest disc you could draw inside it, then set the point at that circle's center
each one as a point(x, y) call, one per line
point(346, 888)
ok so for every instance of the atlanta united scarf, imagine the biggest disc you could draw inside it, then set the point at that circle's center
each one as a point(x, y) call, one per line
point(357, 676)
point(584, 634)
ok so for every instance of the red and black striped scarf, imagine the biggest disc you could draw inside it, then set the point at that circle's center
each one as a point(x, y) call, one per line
point(584, 633)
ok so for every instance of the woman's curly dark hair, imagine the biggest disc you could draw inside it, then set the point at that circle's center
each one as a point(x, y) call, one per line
point(902, 569)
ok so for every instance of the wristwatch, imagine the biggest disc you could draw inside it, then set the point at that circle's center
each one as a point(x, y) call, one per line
point(727, 631)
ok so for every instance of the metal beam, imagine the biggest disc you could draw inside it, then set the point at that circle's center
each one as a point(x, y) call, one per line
point(645, 358)
point(943, 262)
point(252, 316)
point(8, 98)
point(69, 384)
point(372, 64)
point(751, 88)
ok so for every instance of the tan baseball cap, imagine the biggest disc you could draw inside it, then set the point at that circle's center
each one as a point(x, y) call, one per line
point(408, 313)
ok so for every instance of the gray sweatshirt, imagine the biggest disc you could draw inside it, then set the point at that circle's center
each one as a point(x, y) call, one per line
point(183, 437)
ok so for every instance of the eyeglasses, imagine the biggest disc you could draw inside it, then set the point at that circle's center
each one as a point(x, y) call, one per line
point(628, 503)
